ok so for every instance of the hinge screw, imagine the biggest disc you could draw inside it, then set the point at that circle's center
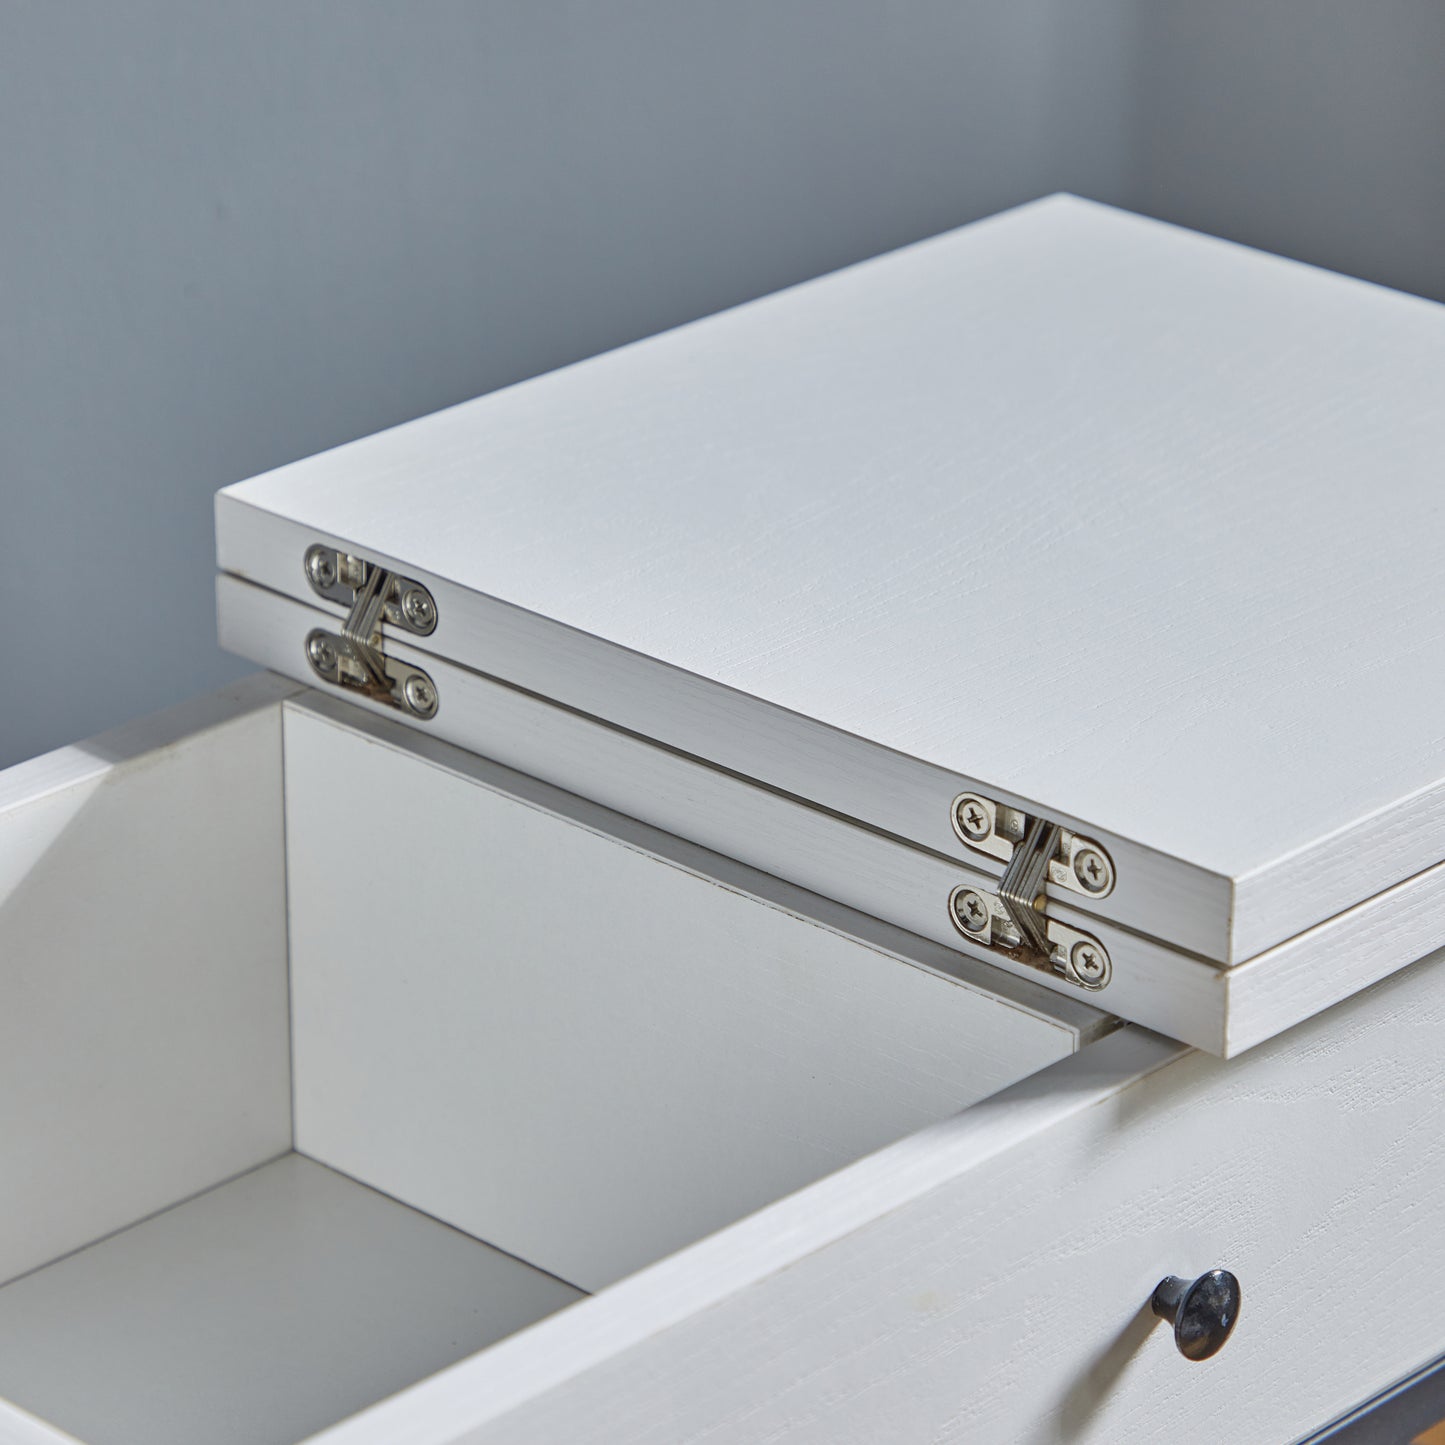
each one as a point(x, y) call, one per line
point(1093, 870)
point(421, 696)
point(970, 910)
point(321, 567)
point(1089, 962)
point(972, 817)
point(418, 609)
point(323, 654)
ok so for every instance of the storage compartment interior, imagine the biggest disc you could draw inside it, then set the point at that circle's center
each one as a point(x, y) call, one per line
point(313, 1087)
point(262, 1310)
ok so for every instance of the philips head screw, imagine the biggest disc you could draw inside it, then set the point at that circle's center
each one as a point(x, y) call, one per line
point(321, 567)
point(421, 696)
point(971, 817)
point(970, 910)
point(322, 654)
point(1093, 870)
point(1090, 963)
point(419, 610)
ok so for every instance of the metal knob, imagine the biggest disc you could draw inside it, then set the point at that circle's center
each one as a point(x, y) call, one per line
point(1203, 1311)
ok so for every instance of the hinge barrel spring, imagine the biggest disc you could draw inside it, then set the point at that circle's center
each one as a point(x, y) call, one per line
point(1014, 921)
point(356, 658)
point(1023, 882)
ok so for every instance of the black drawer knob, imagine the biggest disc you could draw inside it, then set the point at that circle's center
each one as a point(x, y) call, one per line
point(1203, 1311)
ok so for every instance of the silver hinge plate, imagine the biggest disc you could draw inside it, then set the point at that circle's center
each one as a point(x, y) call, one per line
point(355, 658)
point(1013, 921)
point(996, 830)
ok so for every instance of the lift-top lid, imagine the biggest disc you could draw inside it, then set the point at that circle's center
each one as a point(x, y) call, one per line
point(1117, 524)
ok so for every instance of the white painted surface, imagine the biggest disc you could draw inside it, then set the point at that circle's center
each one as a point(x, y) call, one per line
point(870, 872)
point(1024, 991)
point(144, 1049)
point(20, 1427)
point(888, 792)
point(256, 1314)
point(987, 1279)
point(586, 1053)
point(1130, 522)
point(1222, 1011)
point(1327, 964)
point(980, 1280)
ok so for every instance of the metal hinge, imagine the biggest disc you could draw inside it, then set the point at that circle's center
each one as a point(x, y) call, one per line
point(355, 657)
point(1014, 920)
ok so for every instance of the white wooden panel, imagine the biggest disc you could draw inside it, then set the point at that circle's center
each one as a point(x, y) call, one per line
point(1095, 511)
point(1223, 1011)
point(255, 1314)
point(586, 1053)
point(20, 1427)
point(987, 1279)
point(144, 1042)
point(1328, 963)
point(1152, 984)
point(893, 794)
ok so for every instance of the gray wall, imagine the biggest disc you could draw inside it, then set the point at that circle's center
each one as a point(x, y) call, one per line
point(1315, 128)
point(231, 235)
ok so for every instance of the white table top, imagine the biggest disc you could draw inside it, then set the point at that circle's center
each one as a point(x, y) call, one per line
point(1139, 524)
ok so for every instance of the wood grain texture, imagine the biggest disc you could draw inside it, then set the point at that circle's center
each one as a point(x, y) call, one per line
point(987, 1279)
point(870, 872)
point(1332, 961)
point(256, 1313)
point(1135, 524)
point(888, 792)
point(1222, 1011)
point(144, 1038)
point(586, 1053)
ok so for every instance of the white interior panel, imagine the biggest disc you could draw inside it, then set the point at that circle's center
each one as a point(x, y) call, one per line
point(256, 1314)
point(144, 1048)
point(582, 1051)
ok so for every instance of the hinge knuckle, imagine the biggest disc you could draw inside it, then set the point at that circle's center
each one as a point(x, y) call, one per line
point(355, 658)
point(1014, 921)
